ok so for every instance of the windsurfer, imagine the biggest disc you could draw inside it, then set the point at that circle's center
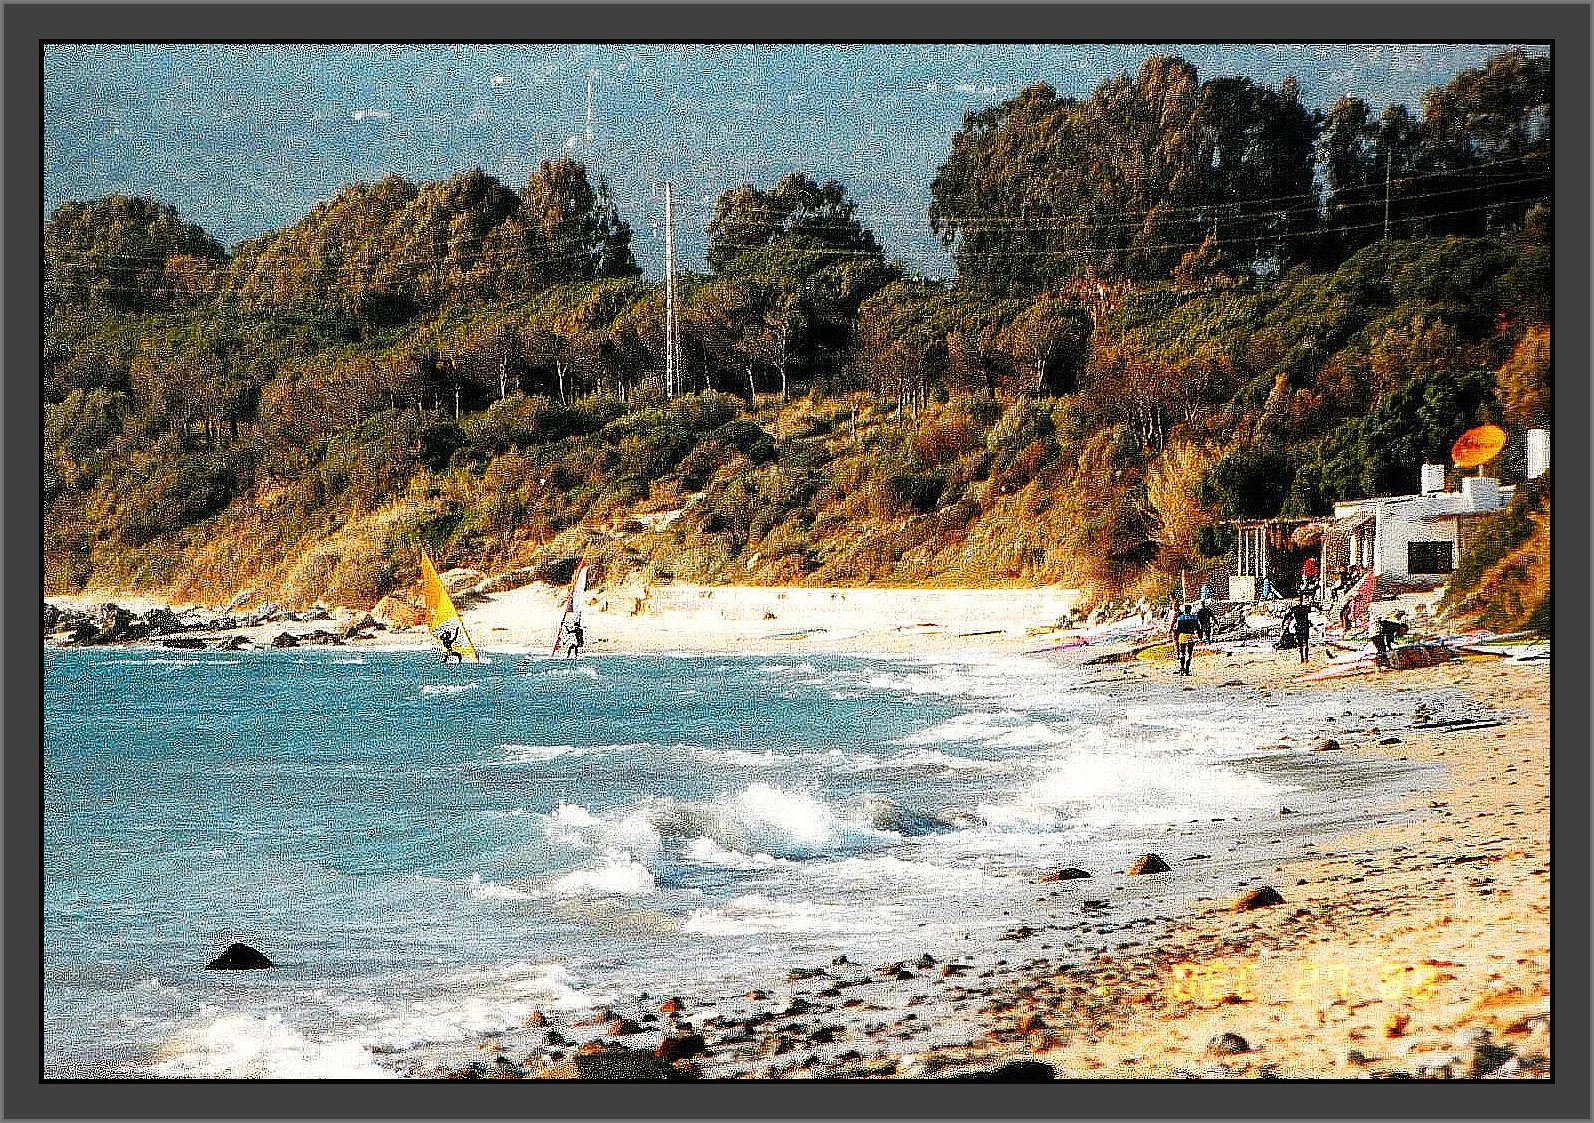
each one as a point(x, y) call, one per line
point(447, 634)
point(576, 637)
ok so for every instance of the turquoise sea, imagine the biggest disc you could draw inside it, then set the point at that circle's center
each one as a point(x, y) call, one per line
point(428, 852)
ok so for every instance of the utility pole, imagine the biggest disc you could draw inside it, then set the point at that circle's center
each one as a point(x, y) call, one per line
point(671, 374)
point(1389, 156)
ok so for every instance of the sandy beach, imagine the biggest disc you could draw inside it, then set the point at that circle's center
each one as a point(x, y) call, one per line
point(1412, 939)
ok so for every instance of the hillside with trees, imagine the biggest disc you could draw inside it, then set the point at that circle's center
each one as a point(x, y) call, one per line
point(1177, 301)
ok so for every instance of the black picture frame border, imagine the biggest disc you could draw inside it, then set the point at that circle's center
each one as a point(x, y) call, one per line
point(26, 26)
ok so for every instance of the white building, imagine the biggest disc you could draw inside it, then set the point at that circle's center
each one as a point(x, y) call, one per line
point(1416, 539)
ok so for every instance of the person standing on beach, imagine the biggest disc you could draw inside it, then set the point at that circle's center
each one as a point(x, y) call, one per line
point(1300, 622)
point(1184, 630)
point(1209, 620)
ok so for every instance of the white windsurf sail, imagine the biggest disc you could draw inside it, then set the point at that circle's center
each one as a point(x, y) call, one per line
point(571, 618)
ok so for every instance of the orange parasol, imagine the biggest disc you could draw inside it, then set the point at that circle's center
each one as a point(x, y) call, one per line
point(1477, 446)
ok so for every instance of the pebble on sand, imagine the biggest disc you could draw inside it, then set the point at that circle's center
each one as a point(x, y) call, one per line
point(1259, 898)
point(1147, 863)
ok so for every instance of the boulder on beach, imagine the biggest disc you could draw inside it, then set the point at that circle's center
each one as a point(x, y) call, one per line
point(284, 639)
point(185, 643)
point(1068, 873)
point(621, 1063)
point(235, 643)
point(461, 581)
point(52, 616)
point(1327, 744)
point(239, 957)
point(679, 1046)
point(1147, 863)
point(1228, 1045)
point(161, 622)
point(399, 610)
point(1013, 1072)
point(1261, 897)
point(112, 622)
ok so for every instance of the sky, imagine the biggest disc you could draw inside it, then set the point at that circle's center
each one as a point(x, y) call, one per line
point(246, 138)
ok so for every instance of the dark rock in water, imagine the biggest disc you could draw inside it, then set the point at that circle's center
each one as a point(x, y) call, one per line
point(1022, 932)
point(798, 974)
point(1259, 898)
point(1286, 811)
point(239, 957)
point(535, 1020)
point(672, 1005)
point(185, 643)
point(622, 1063)
point(840, 961)
point(678, 1047)
point(284, 639)
point(925, 960)
point(1147, 863)
point(621, 1027)
point(1228, 1045)
point(1013, 1072)
point(1070, 873)
point(234, 643)
point(1327, 744)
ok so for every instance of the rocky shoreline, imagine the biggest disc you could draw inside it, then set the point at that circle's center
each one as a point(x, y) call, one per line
point(1387, 955)
point(1411, 946)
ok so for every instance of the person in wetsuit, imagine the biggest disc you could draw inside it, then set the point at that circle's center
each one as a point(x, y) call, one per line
point(1186, 627)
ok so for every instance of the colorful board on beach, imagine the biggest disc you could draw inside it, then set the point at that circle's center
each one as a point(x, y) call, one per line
point(1160, 652)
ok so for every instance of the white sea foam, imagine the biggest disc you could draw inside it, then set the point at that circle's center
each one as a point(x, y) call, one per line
point(532, 754)
point(739, 758)
point(619, 875)
point(927, 760)
point(754, 912)
point(157, 661)
point(240, 1046)
point(758, 819)
point(432, 689)
point(1124, 788)
point(888, 871)
point(481, 889)
point(704, 851)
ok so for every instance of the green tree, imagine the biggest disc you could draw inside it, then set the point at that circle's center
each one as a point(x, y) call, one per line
point(817, 217)
point(113, 252)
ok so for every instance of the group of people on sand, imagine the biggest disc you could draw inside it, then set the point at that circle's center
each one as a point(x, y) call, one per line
point(1191, 624)
point(1188, 625)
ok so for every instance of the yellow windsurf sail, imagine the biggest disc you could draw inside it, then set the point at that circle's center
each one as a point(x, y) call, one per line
point(442, 617)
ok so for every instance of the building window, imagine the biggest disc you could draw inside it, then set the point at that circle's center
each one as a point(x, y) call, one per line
point(1430, 557)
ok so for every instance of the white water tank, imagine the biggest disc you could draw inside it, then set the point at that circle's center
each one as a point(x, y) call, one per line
point(1433, 478)
point(1481, 492)
point(1538, 452)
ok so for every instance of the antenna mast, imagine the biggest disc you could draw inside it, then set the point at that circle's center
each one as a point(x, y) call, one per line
point(671, 371)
